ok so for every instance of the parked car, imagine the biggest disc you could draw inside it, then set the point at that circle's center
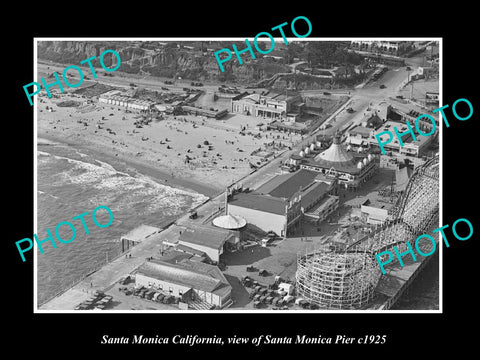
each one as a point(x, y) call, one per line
point(149, 294)
point(136, 291)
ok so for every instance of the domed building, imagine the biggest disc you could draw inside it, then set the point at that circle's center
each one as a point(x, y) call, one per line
point(351, 168)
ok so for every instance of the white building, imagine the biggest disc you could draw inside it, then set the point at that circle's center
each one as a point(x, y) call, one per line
point(114, 97)
point(189, 280)
point(212, 241)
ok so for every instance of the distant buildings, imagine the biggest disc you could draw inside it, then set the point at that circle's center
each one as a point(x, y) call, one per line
point(272, 106)
point(410, 147)
point(384, 46)
point(205, 112)
point(113, 98)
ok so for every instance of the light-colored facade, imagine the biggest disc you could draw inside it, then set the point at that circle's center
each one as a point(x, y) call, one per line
point(374, 215)
point(210, 240)
point(279, 204)
point(267, 212)
point(410, 147)
point(321, 210)
point(187, 279)
point(113, 98)
point(273, 107)
point(212, 252)
point(350, 169)
point(264, 220)
point(390, 47)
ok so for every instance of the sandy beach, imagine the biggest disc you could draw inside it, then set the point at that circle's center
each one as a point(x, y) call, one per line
point(190, 151)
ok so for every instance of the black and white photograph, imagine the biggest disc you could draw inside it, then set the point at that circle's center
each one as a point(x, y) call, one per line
point(261, 187)
point(229, 180)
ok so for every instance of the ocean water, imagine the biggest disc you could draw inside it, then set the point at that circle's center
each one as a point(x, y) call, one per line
point(70, 183)
point(424, 292)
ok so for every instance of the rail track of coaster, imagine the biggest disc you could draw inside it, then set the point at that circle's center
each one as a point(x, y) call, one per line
point(346, 278)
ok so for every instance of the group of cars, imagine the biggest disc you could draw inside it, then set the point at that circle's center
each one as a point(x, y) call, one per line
point(261, 272)
point(272, 295)
point(98, 301)
point(263, 295)
point(149, 294)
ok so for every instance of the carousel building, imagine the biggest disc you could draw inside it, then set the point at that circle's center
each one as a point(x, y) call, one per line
point(350, 168)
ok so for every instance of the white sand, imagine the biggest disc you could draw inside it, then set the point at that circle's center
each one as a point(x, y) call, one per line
point(206, 166)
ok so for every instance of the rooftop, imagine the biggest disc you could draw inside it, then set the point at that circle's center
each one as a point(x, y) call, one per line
point(259, 202)
point(229, 222)
point(401, 127)
point(205, 235)
point(314, 192)
point(188, 273)
point(187, 249)
point(365, 131)
point(271, 95)
point(286, 185)
point(175, 256)
point(140, 233)
point(349, 167)
point(335, 154)
point(376, 201)
point(412, 110)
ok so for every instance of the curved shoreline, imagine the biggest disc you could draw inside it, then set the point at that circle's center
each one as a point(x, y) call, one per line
point(123, 163)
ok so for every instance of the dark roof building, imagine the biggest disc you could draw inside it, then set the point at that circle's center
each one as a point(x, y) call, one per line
point(286, 185)
point(204, 279)
point(263, 203)
point(208, 239)
point(278, 204)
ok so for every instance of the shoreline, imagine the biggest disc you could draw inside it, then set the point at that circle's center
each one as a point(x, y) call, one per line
point(126, 164)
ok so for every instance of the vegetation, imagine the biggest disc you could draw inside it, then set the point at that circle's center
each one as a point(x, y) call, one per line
point(192, 65)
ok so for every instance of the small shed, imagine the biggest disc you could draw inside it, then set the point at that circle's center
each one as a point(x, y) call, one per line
point(137, 235)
